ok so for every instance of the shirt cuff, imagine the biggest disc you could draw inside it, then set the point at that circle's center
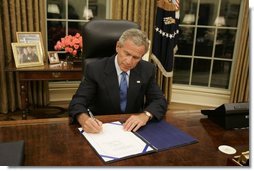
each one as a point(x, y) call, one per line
point(148, 114)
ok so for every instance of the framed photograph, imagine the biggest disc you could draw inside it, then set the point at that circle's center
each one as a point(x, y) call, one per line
point(31, 37)
point(53, 57)
point(27, 54)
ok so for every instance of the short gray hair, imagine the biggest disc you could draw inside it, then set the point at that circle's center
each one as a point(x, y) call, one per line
point(137, 36)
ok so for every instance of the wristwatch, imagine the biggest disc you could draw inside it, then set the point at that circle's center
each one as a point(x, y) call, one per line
point(148, 114)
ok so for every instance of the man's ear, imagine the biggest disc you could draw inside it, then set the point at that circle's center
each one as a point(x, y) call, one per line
point(117, 46)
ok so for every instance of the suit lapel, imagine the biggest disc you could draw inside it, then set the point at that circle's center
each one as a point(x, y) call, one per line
point(111, 83)
point(135, 83)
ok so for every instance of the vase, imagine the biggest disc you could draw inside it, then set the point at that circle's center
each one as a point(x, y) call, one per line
point(75, 61)
point(69, 61)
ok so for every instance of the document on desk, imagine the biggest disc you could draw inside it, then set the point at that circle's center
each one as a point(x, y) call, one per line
point(113, 143)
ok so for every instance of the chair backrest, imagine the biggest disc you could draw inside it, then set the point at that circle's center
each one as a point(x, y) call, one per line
point(100, 37)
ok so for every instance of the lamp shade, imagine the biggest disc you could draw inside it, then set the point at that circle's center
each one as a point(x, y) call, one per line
point(189, 19)
point(88, 13)
point(53, 8)
point(220, 21)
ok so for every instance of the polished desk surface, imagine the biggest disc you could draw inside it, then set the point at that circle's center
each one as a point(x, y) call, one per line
point(45, 67)
point(48, 72)
point(57, 143)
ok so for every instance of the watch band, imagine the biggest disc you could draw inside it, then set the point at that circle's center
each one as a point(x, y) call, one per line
point(148, 114)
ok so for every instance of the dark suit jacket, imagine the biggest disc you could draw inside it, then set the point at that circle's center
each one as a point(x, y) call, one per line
point(99, 91)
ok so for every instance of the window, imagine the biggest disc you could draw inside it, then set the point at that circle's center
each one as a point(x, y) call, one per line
point(206, 46)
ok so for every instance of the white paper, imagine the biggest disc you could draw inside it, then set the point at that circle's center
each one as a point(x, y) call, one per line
point(115, 143)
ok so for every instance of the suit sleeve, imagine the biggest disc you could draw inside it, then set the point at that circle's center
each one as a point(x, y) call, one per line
point(156, 103)
point(83, 96)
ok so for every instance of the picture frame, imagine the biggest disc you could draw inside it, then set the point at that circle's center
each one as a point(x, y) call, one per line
point(27, 55)
point(53, 57)
point(31, 37)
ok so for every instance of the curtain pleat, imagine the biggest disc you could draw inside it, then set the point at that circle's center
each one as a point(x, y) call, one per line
point(24, 25)
point(3, 92)
point(20, 16)
point(8, 98)
point(139, 11)
point(240, 84)
point(125, 13)
point(141, 17)
point(36, 16)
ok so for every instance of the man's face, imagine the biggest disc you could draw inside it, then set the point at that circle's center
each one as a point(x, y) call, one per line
point(25, 51)
point(129, 55)
point(29, 49)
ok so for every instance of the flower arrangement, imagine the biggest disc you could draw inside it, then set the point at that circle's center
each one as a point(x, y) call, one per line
point(72, 46)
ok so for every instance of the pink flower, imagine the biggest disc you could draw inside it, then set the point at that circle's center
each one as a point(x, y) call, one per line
point(77, 35)
point(76, 46)
point(74, 52)
point(71, 44)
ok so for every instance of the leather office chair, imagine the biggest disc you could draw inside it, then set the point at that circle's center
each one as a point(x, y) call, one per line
point(100, 37)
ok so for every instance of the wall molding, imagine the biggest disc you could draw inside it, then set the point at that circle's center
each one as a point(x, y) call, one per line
point(196, 95)
point(62, 90)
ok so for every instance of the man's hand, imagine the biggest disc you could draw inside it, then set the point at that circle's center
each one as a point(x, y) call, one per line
point(89, 124)
point(134, 122)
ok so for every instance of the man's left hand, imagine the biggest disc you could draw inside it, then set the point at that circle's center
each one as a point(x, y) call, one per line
point(134, 122)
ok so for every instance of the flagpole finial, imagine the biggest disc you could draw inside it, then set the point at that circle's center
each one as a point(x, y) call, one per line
point(169, 5)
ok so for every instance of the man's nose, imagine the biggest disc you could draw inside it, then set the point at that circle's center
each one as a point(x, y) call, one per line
point(129, 59)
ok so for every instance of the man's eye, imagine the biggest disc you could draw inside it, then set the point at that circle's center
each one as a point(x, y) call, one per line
point(127, 54)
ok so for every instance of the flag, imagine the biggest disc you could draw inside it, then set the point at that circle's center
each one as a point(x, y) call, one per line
point(166, 31)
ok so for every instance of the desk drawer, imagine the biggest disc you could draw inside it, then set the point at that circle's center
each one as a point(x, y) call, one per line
point(52, 75)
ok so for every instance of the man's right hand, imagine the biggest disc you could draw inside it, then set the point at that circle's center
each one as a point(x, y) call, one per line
point(89, 124)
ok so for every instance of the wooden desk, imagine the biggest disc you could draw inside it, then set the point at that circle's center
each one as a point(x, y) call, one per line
point(46, 72)
point(56, 143)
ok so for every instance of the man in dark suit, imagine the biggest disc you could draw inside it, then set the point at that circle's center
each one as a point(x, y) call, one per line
point(100, 92)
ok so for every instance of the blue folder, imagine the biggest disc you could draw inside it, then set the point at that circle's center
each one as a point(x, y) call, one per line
point(163, 135)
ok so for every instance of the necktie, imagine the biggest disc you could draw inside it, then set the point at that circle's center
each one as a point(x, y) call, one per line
point(123, 91)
